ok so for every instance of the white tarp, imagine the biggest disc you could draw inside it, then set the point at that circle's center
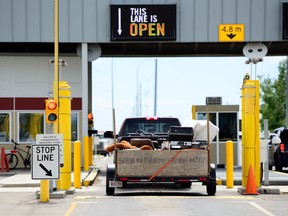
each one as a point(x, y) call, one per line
point(200, 129)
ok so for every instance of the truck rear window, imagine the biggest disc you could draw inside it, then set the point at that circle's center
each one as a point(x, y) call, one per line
point(150, 126)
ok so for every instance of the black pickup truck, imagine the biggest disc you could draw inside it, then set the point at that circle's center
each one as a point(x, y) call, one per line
point(153, 128)
point(172, 155)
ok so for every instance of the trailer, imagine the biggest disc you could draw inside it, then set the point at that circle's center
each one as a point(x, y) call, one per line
point(179, 160)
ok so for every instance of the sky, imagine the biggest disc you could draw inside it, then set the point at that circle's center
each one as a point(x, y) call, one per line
point(181, 83)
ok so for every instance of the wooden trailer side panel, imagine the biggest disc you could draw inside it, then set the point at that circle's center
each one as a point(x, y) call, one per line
point(166, 163)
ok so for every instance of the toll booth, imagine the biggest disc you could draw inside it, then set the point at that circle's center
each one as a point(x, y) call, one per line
point(226, 118)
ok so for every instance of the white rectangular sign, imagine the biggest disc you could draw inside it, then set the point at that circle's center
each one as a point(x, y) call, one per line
point(45, 161)
point(51, 139)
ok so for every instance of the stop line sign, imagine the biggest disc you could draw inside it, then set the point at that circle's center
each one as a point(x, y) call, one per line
point(46, 157)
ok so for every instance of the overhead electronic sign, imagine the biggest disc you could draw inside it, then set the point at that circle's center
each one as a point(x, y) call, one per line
point(285, 20)
point(143, 22)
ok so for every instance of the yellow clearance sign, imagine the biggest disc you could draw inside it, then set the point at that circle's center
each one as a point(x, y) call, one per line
point(231, 32)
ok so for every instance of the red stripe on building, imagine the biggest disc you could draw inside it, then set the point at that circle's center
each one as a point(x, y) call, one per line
point(30, 103)
point(76, 104)
point(6, 103)
point(33, 103)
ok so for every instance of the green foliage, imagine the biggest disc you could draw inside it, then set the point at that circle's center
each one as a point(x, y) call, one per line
point(273, 98)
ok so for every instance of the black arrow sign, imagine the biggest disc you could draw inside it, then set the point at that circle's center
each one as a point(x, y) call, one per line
point(48, 173)
point(231, 36)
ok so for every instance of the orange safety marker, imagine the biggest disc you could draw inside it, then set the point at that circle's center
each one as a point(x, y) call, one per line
point(2, 159)
point(251, 184)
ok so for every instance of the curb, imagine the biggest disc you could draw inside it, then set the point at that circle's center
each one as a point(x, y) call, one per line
point(24, 181)
point(261, 190)
point(90, 178)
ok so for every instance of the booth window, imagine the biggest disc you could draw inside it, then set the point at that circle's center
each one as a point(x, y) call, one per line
point(74, 127)
point(212, 117)
point(227, 126)
point(30, 124)
point(4, 127)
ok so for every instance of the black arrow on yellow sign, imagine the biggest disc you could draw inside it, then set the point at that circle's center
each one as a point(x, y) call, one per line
point(48, 172)
point(231, 36)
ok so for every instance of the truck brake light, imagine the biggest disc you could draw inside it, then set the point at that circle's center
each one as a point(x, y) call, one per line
point(282, 148)
point(151, 118)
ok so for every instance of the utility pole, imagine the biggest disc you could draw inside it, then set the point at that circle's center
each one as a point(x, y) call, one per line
point(155, 88)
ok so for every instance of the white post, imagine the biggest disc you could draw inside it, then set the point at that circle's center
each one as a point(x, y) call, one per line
point(84, 55)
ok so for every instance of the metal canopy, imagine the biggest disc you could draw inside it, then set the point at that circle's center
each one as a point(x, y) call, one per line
point(162, 49)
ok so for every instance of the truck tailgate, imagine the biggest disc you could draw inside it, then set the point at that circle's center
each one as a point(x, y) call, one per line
point(162, 163)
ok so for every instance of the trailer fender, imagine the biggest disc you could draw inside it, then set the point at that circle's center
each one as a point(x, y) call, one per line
point(110, 171)
point(212, 171)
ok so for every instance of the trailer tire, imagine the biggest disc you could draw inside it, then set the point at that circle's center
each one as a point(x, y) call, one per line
point(211, 186)
point(110, 175)
point(211, 189)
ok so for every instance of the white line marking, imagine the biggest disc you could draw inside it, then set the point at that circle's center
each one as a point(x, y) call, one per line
point(266, 212)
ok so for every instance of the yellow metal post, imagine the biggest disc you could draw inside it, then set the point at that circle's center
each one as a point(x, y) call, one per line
point(56, 57)
point(250, 130)
point(194, 112)
point(90, 151)
point(44, 184)
point(86, 153)
point(56, 48)
point(229, 165)
point(242, 132)
point(44, 191)
point(77, 164)
point(65, 129)
point(257, 172)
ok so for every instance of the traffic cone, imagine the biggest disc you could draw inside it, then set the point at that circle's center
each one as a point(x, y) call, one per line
point(251, 185)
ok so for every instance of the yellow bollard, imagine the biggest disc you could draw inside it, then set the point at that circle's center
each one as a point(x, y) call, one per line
point(229, 165)
point(250, 131)
point(243, 133)
point(77, 164)
point(90, 151)
point(65, 181)
point(86, 153)
point(257, 172)
point(44, 191)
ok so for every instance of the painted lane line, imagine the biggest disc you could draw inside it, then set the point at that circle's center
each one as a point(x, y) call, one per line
point(71, 209)
point(266, 212)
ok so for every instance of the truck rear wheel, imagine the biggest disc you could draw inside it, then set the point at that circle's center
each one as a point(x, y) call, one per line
point(278, 168)
point(211, 189)
point(110, 175)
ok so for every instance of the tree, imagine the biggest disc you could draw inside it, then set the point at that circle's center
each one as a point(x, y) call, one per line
point(273, 98)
